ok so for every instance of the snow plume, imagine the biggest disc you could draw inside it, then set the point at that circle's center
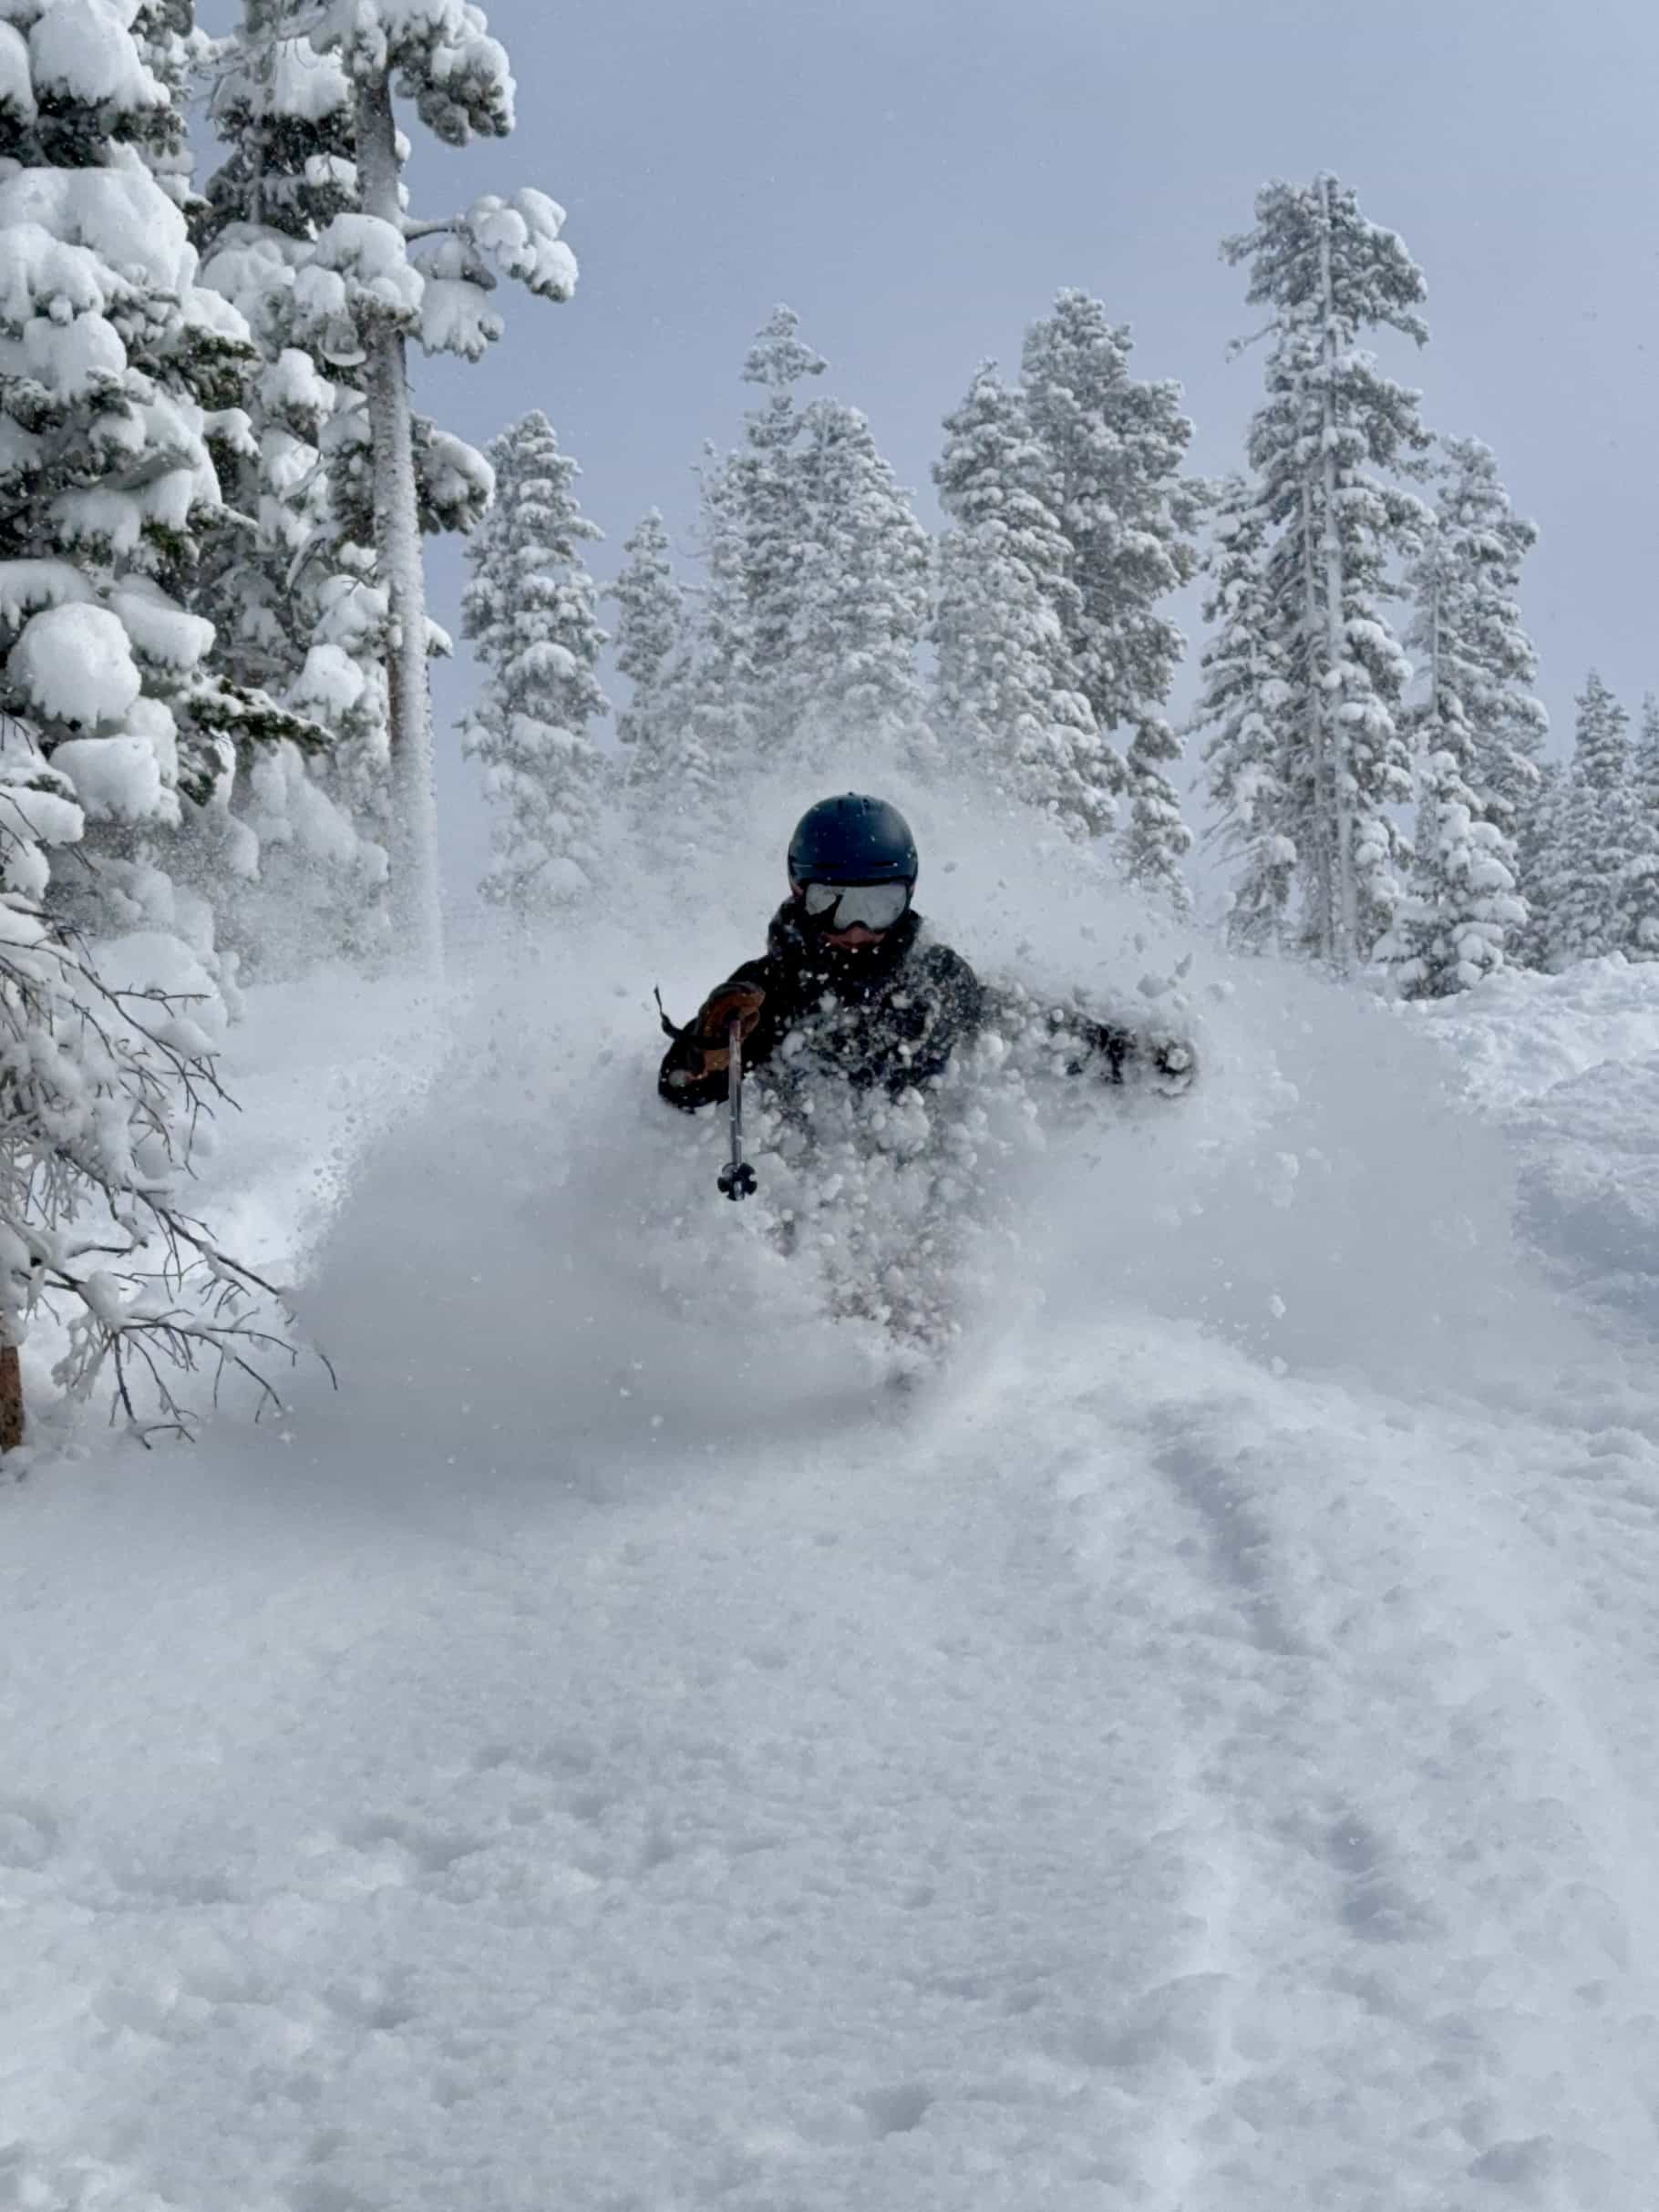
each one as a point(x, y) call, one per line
point(572, 1297)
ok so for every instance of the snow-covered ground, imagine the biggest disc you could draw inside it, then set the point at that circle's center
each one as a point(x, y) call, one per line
point(1196, 1754)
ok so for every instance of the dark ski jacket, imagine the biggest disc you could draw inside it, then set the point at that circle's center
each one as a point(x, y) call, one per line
point(888, 1016)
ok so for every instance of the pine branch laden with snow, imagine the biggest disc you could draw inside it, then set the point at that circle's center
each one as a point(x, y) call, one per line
point(1007, 699)
point(378, 276)
point(107, 1059)
point(529, 614)
point(1323, 447)
point(1478, 729)
point(1115, 447)
point(1600, 837)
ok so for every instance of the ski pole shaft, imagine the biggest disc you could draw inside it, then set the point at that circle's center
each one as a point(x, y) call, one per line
point(736, 1177)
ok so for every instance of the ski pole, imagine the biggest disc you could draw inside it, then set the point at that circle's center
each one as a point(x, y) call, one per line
point(736, 1177)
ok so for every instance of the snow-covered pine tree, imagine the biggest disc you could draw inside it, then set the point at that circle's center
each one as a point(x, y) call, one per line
point(862, 595)
point(294, 596)
point(1321, 446)
point(744, 696)
point(1115, 447)
point(1245, 704)
point(1599, 835)
point(1477, 729)
point(529, 614)
point(119, 370)
point(1538, 853)
point(667, 775)
point(121, 382)
point(815, 595)
point(722, 724)
point(773, 509)
point(378, 276)
point(1006, 699)
point(1641, 879)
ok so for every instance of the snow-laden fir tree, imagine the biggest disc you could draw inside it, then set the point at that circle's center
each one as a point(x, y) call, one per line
point(118, 374)
point(377, 276)
point(744, 696)
point(1321, 446)
point(1116, 445)
point(863, 596)
point(1641, 876)
point(773, 503)
point(1538, 832)
point(668, 776)
point(1599, 839)
point(1478, 732)
point(120, 382)
point(529, 614)
point(814, 597)
point(1244, 706)
point(1008, 704)
point(294, 596)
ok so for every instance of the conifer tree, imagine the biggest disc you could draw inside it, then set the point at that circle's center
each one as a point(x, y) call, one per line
point(530, 612)
point(294, 594)
point(1006, 693)
point(862, 589)
point(1599, 837)
point(1245, 704)
point(123, 378)
point(721, 723)
point(1114, 447)
point(1477, 728)
point(378, 276)
point(815, 593)
point(120, 372)
point(651, 647)
point(1537, 841)
point(773, 506)
point(1642, 880)
point(1321, 446)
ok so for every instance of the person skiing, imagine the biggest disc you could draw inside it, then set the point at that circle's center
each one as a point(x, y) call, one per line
point(852, 983)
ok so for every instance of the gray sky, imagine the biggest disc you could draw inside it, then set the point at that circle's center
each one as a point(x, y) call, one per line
point(917, 177)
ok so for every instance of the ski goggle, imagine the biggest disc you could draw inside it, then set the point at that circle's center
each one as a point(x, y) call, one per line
point(877, 906)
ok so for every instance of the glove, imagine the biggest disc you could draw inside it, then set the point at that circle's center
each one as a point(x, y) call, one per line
point(1174, 1062)
point(732, 1002)
point(712, 1029)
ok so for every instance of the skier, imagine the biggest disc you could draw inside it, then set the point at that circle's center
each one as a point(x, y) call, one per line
point(851, 981)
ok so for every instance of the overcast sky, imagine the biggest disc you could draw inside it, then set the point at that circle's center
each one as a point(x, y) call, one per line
point(918, 178)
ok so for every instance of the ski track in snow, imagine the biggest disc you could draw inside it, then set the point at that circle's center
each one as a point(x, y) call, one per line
point(1118, 1776)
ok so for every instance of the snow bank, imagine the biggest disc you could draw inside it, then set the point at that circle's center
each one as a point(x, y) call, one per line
point(1568, 1067)
point(1518, 1034)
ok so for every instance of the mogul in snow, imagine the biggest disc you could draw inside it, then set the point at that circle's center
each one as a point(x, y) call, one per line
point(852, 983)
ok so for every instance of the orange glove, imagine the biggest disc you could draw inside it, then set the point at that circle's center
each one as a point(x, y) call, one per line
point(732, 1002)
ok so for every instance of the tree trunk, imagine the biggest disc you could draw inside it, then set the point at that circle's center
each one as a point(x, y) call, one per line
point(416, 898)
point(11, 1398)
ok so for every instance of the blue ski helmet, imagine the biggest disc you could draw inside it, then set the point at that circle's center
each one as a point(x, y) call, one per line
point(852, 839)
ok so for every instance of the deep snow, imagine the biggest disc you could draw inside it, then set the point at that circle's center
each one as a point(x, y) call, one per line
point(1196, 1753)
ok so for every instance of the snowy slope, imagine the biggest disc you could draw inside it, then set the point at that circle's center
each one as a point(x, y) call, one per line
point(1198, 1753)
